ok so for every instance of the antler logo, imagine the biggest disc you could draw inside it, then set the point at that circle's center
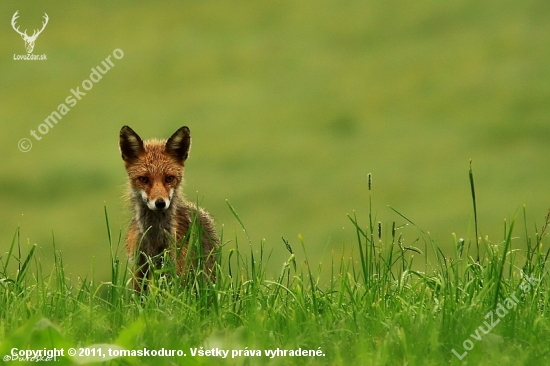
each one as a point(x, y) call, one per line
point(29, 40)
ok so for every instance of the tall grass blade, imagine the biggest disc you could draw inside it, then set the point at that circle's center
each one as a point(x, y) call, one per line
point(473, 191)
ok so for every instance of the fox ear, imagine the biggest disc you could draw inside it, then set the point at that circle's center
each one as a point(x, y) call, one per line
point(179, 144)
point(131, 145)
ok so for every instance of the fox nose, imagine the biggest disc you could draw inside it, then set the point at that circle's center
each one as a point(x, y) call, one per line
point(160, 204)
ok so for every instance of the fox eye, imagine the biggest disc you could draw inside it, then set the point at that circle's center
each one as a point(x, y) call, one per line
point(169, 179)
point(143, 180)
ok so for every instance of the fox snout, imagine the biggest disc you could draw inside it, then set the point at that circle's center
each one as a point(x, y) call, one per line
point(156, 191)
point(161, 204)
point(157, 203)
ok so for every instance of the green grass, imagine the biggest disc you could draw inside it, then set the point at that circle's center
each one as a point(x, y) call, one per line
point(397, 300)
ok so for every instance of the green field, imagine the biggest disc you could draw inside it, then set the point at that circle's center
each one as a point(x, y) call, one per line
point(487, 304)
point(290, 105)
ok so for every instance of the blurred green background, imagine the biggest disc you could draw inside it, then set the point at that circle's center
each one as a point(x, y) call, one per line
point(290, 104)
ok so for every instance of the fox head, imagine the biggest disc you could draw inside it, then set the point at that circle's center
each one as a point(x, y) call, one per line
point(155, 167)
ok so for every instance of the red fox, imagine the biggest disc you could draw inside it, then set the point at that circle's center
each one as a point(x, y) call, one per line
point(163, 218)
